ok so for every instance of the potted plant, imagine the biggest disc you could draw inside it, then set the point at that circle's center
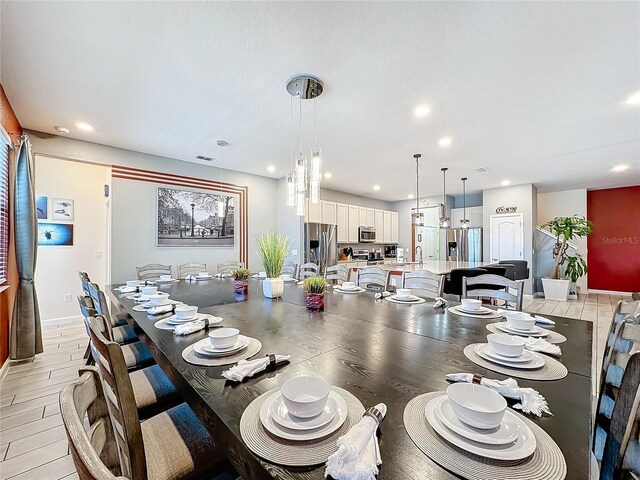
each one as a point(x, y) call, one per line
point(316, 288)
point(273, 248)
point(241, 280)
point(565, 229)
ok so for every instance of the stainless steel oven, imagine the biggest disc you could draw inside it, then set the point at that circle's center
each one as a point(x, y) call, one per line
point(367, 235)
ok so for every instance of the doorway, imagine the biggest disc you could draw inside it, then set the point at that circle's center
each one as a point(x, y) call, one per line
point(506, 237)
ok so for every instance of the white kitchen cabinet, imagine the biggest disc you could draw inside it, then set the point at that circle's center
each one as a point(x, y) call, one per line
point(456, 215)
point(474, 215)
point(386, 230)
point(394, 227)
point(378, 222)
point(362, 219)
point(342, 220)
point(354, 223)
point(371, 217)
point(329, 214)
point(313, 212)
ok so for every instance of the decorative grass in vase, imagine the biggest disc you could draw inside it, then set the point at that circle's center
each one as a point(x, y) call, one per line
point(241, 280)
point(273, 247)
point(316, 288)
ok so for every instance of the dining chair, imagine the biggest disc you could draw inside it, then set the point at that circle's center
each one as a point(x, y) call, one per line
point(152, 271)
point(623, 310)
point(423, 283)
point(193, 268)
point(496, 270)
point(337, 274)
point(119, 329)
point(229, 267)
point(290, 268)
point(521, 268)
point(84, 281)
point(510, 270)
point(169, 445)
point(453, 284)
point(488, 282)
point(372, 277)
point(309, 269)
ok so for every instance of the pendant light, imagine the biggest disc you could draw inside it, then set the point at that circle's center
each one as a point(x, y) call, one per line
point(417, 217)
point(220, 205)
point(464, 223)
point(444, 220)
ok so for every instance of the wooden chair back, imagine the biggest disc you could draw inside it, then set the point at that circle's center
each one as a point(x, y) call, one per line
point(120, 401)
point(487, 282)
point(152, 271)
point(84, 281)
point(229, 267)
point(193, 268)
point(92, 442)
point(309, 269)
point(372, 276)
point(423, 283)
point(622, 311)
point(290, 268)
point(100, 304)
point(337, 274)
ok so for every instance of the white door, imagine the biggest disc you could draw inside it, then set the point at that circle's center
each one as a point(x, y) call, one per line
point(506, 237)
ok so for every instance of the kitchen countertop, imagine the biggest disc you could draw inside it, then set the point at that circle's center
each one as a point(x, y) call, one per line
point(434, 266)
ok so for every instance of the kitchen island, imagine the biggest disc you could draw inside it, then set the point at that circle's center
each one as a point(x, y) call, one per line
point(434, 266)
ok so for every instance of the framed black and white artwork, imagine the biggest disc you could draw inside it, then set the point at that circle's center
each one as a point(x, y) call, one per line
point(61, 209)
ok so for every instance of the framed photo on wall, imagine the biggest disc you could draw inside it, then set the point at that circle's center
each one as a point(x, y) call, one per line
point(42, 208)
point(55, 234)
point(187, 218)
point(61, 209)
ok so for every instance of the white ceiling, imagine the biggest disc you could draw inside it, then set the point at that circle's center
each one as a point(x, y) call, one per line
point(534, 91)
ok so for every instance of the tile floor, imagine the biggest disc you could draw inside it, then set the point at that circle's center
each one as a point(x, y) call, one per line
point(33, 444)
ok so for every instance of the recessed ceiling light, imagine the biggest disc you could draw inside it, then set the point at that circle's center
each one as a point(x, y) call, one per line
point(62, 130)
point(619, 168)
point(328, 175)
point(410, 196)
point(505, 183)
point(271, 169)
point(445, 141)
point(422, 111)
point(634, 99)
point(84, 126)
point(376, 187)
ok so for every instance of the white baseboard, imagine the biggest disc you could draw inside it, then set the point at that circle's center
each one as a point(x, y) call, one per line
point(528, 296)
point(610, 292)
point(5, 368)
point(61, 320)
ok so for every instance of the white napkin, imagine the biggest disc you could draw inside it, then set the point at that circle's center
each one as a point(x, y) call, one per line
point(358, 454)
point(248, 368)
point(195, 326)
point(530, 400)
point(190, 278)
point(380, 295)
point(222, 275)
point(541, 345)
point(161, 309)
point(440, 302)
point(539, 319)
point(126, 289)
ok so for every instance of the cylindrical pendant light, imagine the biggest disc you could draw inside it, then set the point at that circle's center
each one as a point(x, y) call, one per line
point(464, 223)
point(444, 220)
point(417, 217)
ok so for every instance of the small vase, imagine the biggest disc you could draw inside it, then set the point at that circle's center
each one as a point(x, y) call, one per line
point(315, 301)
point(241, 286)
point(272, 287)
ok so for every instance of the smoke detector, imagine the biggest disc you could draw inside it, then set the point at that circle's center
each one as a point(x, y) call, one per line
point(222, 143)
point(62, 130)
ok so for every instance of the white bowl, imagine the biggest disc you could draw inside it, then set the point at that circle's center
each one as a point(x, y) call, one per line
point(403, 292)
point(158, 298)
point(477, 405)
point(224, 337)
point(520, 320)
point(348, 285)
point(148, 290)
point(165, 277)
point(184, 312)
point(285, 276)
point(262, 274)
point(506, 345)
point(471, 304)
point(305, 396)
point(203, 274)
point(133, 283)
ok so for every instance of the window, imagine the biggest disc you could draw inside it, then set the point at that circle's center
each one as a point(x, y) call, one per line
point(4, 209)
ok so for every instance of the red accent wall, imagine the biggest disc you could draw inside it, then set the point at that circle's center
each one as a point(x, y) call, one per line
point(613, 252)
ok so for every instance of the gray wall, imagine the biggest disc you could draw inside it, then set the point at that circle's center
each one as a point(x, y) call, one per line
point(472, 200)
point(342, 197)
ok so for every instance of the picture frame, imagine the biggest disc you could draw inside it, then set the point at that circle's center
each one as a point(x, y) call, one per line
point(62, 209)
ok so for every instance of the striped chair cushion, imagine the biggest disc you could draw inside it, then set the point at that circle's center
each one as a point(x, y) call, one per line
point(136, 355)
point(153, 391)
point(124, 334)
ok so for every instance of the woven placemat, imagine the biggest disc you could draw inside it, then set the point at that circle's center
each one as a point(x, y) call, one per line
point(552, 369)
point(490, 316)
point(289, 452)
point(553, 337)
point(189, 355)
point(546, 463)
point(393, 300)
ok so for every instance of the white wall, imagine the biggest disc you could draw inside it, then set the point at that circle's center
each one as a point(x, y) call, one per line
point(57, 267)
point(565, 204)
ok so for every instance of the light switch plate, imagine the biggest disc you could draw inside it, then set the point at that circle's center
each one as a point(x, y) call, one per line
point(294, 252)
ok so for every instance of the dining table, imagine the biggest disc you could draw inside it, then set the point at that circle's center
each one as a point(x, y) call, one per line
point(377, 350)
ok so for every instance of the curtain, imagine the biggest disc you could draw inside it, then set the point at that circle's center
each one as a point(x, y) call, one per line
point(26, 335)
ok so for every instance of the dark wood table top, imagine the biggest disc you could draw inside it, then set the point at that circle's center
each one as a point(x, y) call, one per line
point(378, 350)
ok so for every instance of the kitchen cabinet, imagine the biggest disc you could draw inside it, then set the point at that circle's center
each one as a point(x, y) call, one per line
point(394, 227)
point(342, 220)
point(353, 223)
point(313, 212)
point(329, 214)
point(378, 222)
point(386, 230)
point(474, 214)
point(371, 217)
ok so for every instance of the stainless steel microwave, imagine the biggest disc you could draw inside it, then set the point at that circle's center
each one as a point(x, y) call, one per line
point(367, 234)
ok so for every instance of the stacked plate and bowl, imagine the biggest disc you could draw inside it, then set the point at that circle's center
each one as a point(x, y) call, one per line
point(405, 295)
point(221, 342)
point(509, 351)
point(521, 324)
point(349, 287)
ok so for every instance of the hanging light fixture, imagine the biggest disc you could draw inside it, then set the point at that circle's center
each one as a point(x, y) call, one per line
point(417, 217)
point(444, 220)
point(464, 223)
point(220, 205)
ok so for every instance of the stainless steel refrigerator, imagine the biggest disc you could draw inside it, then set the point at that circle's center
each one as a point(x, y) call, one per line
point(320, 245)
point(464, 244)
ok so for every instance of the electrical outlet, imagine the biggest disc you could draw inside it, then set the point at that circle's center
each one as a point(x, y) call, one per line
point(294, 252)
point(98, 253)
point(67, 298)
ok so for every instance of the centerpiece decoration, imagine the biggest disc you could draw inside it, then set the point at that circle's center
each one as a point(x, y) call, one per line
point(316, 288)
point(241, 280)
point(273, 247)
point(565, 229)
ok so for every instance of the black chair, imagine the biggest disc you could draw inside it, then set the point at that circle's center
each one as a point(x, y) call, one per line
point(521, 266)
point(453, 284)
point(496, 270)
point(511, 271)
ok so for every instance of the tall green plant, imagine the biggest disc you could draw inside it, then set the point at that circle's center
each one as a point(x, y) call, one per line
point(565, 229)
point(273, 247)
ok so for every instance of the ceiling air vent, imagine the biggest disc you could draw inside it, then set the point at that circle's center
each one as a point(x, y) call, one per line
point(206, 159)
point(482, 169)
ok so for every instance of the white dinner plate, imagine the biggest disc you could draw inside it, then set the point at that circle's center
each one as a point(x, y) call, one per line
point(126, 289)
point(171, 280)
point(534, 332)
point(536, 362)
point(203, 347)
point(349, 290)
point(526, 356)
point(479, 311)
point(173, 320)
point(279, 413)
point(302, 435)
point(289, 280)
point(506, 433)
point(409, 299)
point(522, 448)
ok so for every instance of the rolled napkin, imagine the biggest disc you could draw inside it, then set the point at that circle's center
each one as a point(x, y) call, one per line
point(380, 295)
point(222, 275)
point(125, 289)
point(358, 454)
point(440, 302)
point(530, 400)
point(195, 326)
point(248, 368)
point(190, 278)
point(170, 307)
point(539, 319)
point(541, 345)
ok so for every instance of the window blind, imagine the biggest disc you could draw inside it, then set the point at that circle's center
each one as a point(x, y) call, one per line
point(4, 210)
